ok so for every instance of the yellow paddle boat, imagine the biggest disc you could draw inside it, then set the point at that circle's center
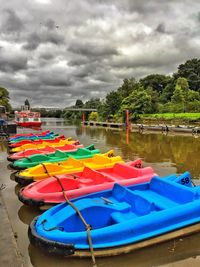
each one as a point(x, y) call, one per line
point(70, 166)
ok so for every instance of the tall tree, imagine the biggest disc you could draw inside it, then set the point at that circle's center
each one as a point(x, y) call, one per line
point(127, 87)
point(79, 103)
point(4, 98)
point(137, 102)
point(156, 81)
point(191, 71)
point(112, 104)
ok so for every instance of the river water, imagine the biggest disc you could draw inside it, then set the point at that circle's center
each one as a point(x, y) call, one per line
point(165, 153)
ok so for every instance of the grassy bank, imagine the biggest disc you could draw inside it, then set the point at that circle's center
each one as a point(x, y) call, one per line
point(191, 117)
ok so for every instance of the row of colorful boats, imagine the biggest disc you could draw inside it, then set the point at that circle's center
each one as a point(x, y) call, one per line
point(97, 202)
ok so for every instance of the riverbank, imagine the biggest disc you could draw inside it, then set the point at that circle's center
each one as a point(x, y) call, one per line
point(140, 127)
point(168, 117)
point(9, 253)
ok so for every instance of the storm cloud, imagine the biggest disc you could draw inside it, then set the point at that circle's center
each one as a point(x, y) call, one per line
point(54, 52)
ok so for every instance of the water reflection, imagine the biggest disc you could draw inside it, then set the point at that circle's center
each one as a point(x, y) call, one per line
point(26, 214)
point(180, 151)
point(3, 146)
point(165, 253)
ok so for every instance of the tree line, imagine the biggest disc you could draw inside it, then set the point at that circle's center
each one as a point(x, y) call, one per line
point(155, 93)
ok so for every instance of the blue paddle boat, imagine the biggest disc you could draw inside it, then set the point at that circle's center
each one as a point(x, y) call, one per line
point(121, 219)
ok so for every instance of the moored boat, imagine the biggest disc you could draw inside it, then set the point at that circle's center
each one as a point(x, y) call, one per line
point(48, 191)
point(28, 134)
point(121, 219)
point(15, 147)
point(72, 165)
point(32, 137)
point(43, 144)
point(58, 156)
point(45, 150)
point(27, 118)
point(17, 143)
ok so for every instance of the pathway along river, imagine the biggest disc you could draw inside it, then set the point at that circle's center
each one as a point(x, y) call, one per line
point(166, 154)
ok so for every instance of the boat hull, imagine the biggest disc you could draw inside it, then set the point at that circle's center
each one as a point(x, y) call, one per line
point(38, 172)
point(58, 156)
point(62, 249)
point(47, 193)
point(29, 124)
point(126, 216)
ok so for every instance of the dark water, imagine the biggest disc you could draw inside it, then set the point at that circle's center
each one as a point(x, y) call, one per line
point(167, 154)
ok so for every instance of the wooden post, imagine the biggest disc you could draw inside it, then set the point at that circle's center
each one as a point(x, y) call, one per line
point(127, 135)
point(83, 118)
point(127, 118)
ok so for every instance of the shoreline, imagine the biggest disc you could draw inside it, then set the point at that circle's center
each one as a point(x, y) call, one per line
point(163, 128)
point(9, 253)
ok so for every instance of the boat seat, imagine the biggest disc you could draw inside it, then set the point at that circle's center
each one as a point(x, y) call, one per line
point(60, 154)
point(83, 152)
point(118, 217)
point(139, 204)
point(161, 202)
point(172, 191)
point(111, 177)
point(138, 207)
point(126, 171)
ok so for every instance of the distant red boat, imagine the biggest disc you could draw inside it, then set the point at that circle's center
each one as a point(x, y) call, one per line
point(27, 118)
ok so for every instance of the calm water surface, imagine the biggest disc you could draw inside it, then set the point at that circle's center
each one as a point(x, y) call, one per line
point(166, 154)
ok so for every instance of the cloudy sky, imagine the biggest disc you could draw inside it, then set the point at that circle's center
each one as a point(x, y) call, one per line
point(56, 51)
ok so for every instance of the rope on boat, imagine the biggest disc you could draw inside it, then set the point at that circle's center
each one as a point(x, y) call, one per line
point(51, 229)
point(87, 226)
point(193, 183)
point(45, 169)
point(69, 175)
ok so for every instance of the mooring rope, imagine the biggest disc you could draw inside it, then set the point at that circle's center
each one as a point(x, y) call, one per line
point(45, 169)
point(87, 226)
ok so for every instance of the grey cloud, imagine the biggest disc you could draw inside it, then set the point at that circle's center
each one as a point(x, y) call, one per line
point(12, 22)
point(95, 50)
point(50, 24)
point(76, 49)
point(161, 28)
point(42, 37)
point(12, 62)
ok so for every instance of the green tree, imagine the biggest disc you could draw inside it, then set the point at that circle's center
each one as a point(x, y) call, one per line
point(79, 103)
point(167, 92)
point(137, 102)
point(111, 105)
point(156, 81)
point(191, 71)
point(4, 98)
point(178, 96)
point(193, 95)
point(93, 103)
point(94, 116)
point(127, 87)
point(154, 99)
